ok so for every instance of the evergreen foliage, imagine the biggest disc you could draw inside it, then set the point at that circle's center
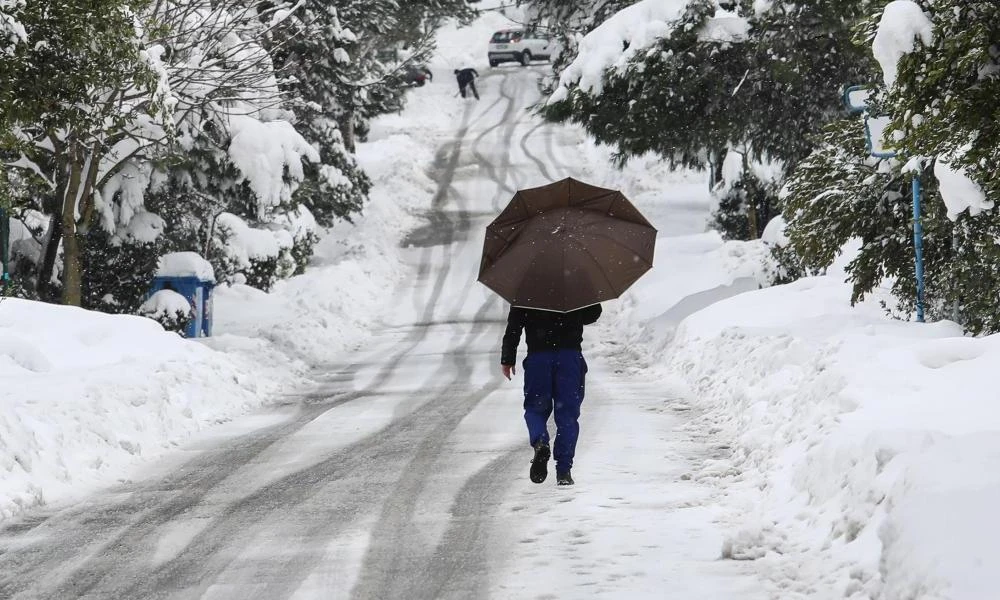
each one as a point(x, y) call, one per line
point(117, 272)
point(942, 106)
point(840, 193)
point(569, 19)
point(690, 99)
point(944, 101)
point(119, 124)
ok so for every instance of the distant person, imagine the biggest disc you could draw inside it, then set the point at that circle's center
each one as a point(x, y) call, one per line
point(467, 79)
point(554, 380)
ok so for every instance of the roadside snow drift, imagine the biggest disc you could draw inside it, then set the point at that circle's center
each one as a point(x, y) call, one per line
point(310, 319)
point(86, 395)
point(863, 449)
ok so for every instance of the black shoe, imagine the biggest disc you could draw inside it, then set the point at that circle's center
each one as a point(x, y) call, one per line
point(564, 478)
point(540, 464)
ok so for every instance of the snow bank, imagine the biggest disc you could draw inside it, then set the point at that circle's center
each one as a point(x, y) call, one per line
point(902, 23)
point(958, 191)
point(310, 319)
point(87, 396)
point(860, 451)
point(184, 264)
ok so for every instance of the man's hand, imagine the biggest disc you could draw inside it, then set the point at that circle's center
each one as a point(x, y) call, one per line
point(508, 370)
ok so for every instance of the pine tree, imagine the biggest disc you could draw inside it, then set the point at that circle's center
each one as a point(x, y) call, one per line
point(343, 69)
point(942, 107)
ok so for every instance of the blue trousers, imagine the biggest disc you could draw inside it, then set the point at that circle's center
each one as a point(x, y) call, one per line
point(554, 380)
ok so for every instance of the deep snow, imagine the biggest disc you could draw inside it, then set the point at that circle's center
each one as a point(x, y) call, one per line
point(848, 455)
point(86, 397)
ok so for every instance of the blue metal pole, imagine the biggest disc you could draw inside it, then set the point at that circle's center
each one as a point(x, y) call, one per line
point(5, 250)
point(918, 246)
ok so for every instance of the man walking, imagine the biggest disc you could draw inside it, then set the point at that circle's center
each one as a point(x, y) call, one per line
point(467, 78)
point(554, 375)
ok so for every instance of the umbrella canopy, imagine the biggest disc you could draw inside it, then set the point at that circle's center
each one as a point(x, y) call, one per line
point(565, 246)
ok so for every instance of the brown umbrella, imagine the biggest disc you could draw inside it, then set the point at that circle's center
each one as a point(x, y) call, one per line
point(566, 245)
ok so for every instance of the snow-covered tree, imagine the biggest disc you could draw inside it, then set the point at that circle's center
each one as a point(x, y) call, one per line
point(692, 80)
point(135, 128)
point(190, 102)
point(312, 52)
point(386, 36)
point(576, 16)
point(12, 31)
point(941, 67)
point(943, 91)
point(343, 62)
point(68, 95)
point(569, 20)
point(840, 193)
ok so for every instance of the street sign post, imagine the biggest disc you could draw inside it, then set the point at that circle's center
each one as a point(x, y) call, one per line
point(5, 248)
point(856, 100)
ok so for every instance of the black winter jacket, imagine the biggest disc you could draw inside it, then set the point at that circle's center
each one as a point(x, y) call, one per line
point(465, 76)
point(545, 330)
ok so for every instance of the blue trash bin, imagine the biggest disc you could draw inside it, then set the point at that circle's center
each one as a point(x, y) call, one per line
point(190, 276)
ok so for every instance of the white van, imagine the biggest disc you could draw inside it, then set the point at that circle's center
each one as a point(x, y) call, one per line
point(518, 45)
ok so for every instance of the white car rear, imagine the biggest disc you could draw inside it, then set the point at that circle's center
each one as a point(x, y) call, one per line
point(517, 45)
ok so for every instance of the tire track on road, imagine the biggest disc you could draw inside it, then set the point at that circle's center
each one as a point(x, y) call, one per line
point(108, 551)
point(542, 167)
point(139, 518)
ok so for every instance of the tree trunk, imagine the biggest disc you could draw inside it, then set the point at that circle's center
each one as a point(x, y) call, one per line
point(753, 218)
point(53, 237)
point(72, 292)
point(347, 131)
point(83, 167)
point(715, 168)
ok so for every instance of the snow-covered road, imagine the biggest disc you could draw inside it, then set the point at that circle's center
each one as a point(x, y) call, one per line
point(404, 475)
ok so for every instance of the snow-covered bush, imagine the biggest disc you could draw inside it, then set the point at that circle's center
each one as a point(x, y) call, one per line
point(258, 257)
point(746, 197)
point(169, 309)
point(116, 272)
point(301, 224)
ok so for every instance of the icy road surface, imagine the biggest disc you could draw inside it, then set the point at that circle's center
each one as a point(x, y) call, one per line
point(405, 474)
